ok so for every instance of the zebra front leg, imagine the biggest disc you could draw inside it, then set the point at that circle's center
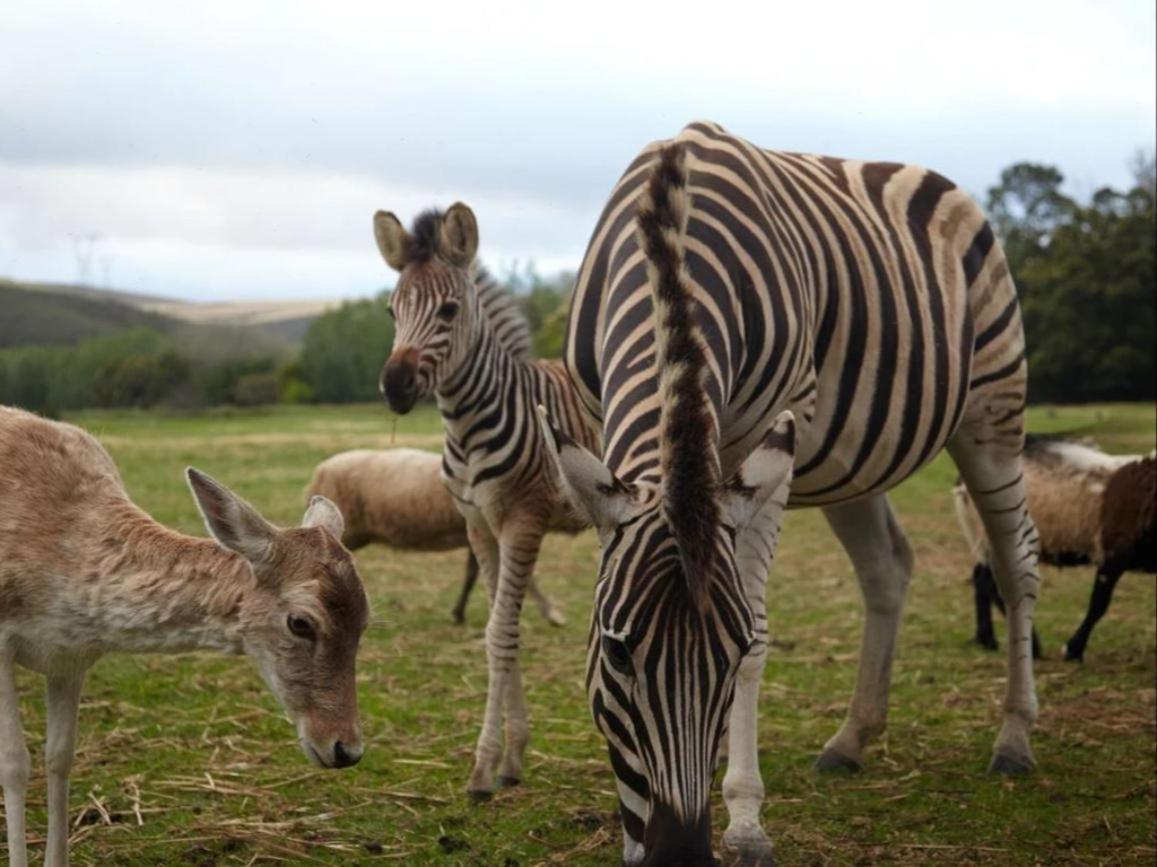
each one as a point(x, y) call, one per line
point(63, 700)
point(504, 701)
point(520, 548)
point(992, 471)
point(743, 783)
point(488, 749)
point(14, 763)
point(882, 560)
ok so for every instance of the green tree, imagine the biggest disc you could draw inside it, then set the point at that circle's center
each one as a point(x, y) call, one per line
point(1087, 277)
point(344, 351)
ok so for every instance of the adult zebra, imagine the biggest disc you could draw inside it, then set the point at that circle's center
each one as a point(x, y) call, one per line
point(462, 337)
point(728, 295)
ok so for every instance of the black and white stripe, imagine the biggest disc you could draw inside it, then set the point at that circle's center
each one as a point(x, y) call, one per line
point(726, 290)
point(462, 338)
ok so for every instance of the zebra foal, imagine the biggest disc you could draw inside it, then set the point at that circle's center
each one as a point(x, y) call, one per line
point(756, 328)
point(461, 337)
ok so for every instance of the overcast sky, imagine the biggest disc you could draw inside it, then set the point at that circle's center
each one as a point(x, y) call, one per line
point(238, 150)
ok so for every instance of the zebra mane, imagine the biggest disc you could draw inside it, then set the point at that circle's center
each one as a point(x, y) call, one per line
point(500, 307)
point(688, 428)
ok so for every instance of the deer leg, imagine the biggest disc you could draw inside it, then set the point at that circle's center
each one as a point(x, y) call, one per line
point(882, 560)
point(62, 703)
point(14, 762)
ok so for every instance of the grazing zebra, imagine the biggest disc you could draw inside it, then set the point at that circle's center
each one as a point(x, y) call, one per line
point(739, 309)
point(463, 338)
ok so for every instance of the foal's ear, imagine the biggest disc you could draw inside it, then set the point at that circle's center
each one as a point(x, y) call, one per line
point(765, 470)
point(234, 523)
point(393, 239)
point(599, 497)
point(322, 512)
point(458, 241)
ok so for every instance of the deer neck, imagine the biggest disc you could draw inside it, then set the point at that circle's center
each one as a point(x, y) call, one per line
point(156, 590)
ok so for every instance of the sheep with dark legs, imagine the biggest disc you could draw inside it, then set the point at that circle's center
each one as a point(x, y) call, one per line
point(396, 497)
point(1089, 507)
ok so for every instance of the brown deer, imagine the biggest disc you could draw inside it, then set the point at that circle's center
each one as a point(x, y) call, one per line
point(84, 572)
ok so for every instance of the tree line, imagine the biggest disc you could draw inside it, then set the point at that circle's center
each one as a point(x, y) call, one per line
point(1086, 272)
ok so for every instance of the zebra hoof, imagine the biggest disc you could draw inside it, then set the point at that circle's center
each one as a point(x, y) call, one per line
point(479, 796)
point(555, 618)
point(1072, 654)
point(458, 617)
point(832, 762)
point(1009, 765)
point(752, 850)
point(508, 782)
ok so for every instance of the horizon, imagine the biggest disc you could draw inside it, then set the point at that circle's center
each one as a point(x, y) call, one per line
point(226, 153)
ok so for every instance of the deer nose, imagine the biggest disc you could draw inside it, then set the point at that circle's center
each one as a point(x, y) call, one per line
point(345, 757)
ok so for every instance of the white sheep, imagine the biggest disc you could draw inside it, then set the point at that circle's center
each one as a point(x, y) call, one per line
point(1088, 507)
point(396, 497)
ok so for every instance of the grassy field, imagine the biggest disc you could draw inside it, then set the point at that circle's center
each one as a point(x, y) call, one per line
point(186, 760)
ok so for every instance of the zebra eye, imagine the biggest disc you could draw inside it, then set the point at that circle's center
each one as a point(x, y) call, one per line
point(390, 310)
point(448, 311)
point(618, 654)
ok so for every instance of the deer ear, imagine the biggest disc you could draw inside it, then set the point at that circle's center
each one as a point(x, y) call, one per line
point(234, 523)
point(598, 496)
point(393, 239)
point(325, 514)
point(459, 235)
point(762, 473)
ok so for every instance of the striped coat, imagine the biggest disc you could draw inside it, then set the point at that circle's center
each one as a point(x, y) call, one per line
point(753, 327)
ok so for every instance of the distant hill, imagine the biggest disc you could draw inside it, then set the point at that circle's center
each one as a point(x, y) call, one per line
point(55, 313)
point(39, 316)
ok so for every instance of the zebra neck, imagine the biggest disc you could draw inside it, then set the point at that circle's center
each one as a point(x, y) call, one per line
point(472, 399)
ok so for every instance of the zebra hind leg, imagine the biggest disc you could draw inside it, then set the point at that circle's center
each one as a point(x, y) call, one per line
point(882, 560)
point(991, 469)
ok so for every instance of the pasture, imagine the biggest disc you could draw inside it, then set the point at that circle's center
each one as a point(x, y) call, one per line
point(186, 760)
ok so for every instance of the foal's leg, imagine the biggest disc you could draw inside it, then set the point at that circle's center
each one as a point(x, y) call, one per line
point(882, 558)
point(14, 762)
point(520, 541)
point(63, 699)
point(991, 469)
point(985, 595)
point(743, 783)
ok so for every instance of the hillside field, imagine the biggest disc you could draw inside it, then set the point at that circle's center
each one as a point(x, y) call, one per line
point(186, 760)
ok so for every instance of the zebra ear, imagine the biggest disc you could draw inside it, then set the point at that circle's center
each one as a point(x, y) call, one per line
point(599, 497)
point(459, 236)
point(393, 239)
point(761, 474)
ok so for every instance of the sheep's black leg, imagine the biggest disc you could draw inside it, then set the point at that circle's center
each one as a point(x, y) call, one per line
point(984, 593)
point(459, 612)
point(1104, 584)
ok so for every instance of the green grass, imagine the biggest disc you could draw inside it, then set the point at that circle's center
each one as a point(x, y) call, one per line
point(198, 744)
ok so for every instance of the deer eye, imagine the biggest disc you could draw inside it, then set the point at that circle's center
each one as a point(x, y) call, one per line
point(448, 311)
point(300, 626)
point(618, 655)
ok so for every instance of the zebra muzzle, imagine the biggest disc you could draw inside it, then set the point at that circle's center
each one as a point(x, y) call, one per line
point(399, 385)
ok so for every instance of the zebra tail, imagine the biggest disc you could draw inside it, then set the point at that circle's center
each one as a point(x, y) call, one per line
point(688, 427)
